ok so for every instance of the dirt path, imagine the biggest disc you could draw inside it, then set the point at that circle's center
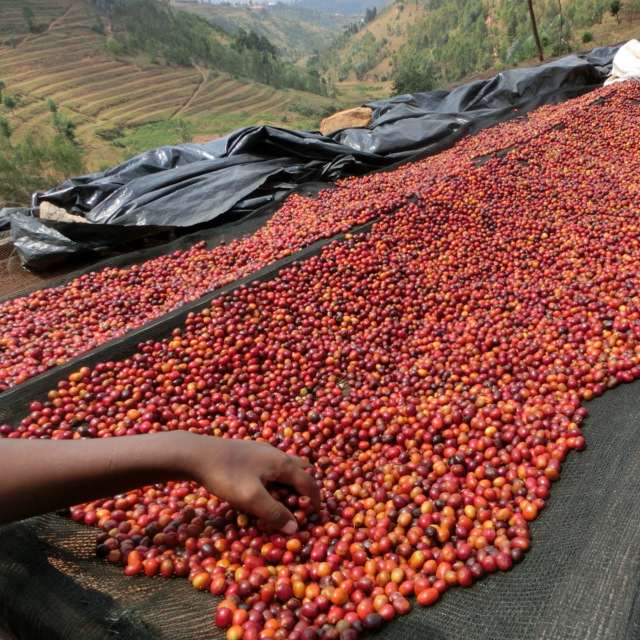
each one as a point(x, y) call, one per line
point(50, 26)
point(194, 95)
point(107, 27)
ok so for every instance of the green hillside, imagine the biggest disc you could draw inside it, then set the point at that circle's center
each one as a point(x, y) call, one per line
point(167, 36)
point(85, 84)
point(420, 44)
point(82, 90)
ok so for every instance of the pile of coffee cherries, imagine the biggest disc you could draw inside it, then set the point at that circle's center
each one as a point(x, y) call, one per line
point(52, 326)
point(432, 370)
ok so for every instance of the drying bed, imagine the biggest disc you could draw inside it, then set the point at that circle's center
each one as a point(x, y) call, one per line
point(103, 305)
point(433, 369)
point(54, 325)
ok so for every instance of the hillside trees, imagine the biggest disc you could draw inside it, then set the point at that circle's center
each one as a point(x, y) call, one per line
point(177, 37)
point(614, 9)
point(11, 101)
point(36, 164)
point(456, 38)
point(585, 13)
point(65, 127)
point(244, 40)
point(5, 128)
point(414, 74)
point(632, 8)
point(463, 38)
point(366, 54)
point(363, 54)
point(28, 15)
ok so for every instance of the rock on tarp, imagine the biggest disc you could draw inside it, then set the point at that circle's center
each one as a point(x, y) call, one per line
point(194, 184)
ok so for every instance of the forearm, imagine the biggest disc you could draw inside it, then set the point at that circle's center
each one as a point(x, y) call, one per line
point(39, 476)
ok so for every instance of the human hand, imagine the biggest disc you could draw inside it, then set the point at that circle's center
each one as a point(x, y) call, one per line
point(238, 471)
point(38, 476)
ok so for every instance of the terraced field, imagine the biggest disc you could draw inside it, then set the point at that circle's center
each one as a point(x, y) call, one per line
point(14, 25)
point(56, 54)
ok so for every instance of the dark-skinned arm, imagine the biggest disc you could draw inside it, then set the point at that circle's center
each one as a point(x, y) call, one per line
point(39, 476)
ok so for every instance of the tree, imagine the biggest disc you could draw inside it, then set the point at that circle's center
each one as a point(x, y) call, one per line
point(614, 9)
point(65, 157)
point(98, 27)
point(634, 6)
point(184, 131)
point(28, 15)
point(10, 101)
point(534, 27)
point(64, 126)
point(5, 128)
point(413, 74)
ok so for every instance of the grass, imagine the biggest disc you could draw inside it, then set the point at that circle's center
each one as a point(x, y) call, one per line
point(151, 136)
point(356, 94)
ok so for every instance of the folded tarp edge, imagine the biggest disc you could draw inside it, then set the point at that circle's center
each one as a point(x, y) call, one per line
point(194, 184)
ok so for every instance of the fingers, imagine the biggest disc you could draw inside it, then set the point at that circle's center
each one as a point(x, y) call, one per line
point(245, 468)
point(300, 480)
point(301, 462)
point(271, 512)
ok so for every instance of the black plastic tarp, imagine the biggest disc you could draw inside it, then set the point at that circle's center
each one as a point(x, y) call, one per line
point(412, 123)
point(165, 187)
point(47, 243)
point(194, 184)
point(7, 212)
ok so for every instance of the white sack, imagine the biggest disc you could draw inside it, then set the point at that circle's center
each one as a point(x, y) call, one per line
point(626, 63)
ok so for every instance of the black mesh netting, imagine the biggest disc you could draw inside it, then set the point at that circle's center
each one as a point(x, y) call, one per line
point(579, 581)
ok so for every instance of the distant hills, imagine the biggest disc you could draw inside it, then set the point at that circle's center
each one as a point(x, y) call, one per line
point(168, 36)
point(295, 31)
point(416, 45)
point(85, 84)
point(343, 7)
